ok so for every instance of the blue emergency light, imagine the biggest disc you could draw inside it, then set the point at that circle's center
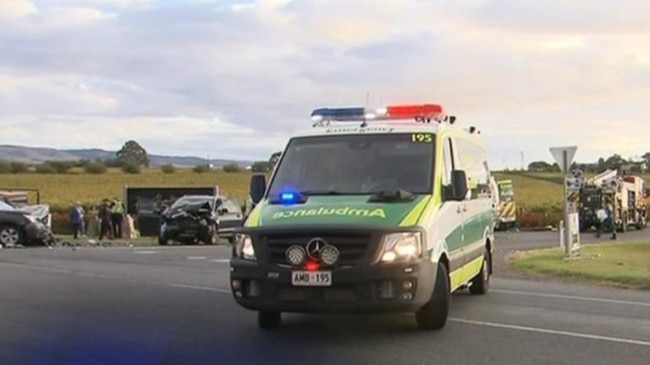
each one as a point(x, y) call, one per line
point(288, 197)
point(339, 114)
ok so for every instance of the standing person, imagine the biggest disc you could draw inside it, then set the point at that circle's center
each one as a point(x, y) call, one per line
point(92, 228)
point(607, 219)
point(76, 219)
point(117, 216)
point(105, 214)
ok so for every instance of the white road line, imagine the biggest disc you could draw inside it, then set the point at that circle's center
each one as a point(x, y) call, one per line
point(488, 324)
point(198, 287)
point(145, 252)
point(552, 332)
point(572, 297)
point(222, 261)
point(197, 257)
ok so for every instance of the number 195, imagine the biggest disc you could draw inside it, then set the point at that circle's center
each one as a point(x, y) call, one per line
point(421, 137)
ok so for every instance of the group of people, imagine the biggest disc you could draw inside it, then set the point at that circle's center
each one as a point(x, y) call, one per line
point(106, 220)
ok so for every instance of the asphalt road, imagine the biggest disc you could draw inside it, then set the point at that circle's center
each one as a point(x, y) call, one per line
point(170, 305)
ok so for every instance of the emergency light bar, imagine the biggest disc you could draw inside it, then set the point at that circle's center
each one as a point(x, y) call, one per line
point(423, 113)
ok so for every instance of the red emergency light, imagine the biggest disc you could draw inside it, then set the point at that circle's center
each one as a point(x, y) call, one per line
point(414, 111)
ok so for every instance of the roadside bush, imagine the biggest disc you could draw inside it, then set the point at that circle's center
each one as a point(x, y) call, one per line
point(131, 168)
point(5, 167)
point(261, 166)
point(61, 167)
point(168, 168)
point(231, 167)
point(199, 169)
point(45, 169)
point(96, 168)
point(19, 167)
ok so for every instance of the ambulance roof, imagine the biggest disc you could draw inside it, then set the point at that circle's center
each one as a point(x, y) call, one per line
point(425, 118)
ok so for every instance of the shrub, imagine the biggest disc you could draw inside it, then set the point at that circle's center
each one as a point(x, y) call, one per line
point(45, 168)
point(261, 166)
point(95, 168)
point(231, 167)
point(5, 167)
point(130, 168)
point(61, 167)
point(19, 167)
point(168, 168)
point(200, 169)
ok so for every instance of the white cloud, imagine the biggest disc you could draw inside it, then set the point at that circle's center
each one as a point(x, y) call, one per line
point(17, 8)
point(530, 75)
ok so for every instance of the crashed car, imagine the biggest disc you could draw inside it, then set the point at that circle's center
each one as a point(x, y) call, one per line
point(199, 219)
point(20, 201)
point(20, 228)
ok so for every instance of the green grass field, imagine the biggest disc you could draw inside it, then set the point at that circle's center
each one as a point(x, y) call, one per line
point(535, 192)
point(623, 264)
point(61, 190)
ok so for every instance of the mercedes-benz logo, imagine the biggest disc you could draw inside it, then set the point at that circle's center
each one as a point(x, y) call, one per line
point(320, 251)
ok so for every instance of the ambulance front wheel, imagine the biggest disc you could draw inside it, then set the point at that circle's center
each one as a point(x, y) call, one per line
point(433, 315)
point(268, 320)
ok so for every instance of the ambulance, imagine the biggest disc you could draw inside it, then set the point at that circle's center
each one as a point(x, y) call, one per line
point(371, 210)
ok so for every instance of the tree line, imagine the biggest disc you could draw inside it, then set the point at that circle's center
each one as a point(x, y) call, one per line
point(613, 162)
point(131, 158)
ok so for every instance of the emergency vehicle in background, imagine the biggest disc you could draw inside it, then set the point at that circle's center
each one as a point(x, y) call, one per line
point(371, 210)
point(507, 212)
point(627, 194)
point(496, 206)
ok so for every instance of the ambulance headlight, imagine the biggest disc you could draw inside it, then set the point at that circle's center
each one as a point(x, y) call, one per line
point(400, 247)
point(244, 247)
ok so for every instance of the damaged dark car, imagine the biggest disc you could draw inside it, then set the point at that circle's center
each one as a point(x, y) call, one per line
point(20, 228)
point(199, 219)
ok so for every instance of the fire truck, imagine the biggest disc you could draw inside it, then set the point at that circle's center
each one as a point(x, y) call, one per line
point(627, 194)
point(507, 212)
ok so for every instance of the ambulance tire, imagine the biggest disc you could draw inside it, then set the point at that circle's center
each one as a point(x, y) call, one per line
point(481, 282)
point(433, 315)
point(268, 320)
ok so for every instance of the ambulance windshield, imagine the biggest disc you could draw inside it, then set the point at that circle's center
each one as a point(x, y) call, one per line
point(356, 164)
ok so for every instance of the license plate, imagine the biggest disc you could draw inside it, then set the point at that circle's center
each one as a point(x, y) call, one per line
point(311, 278)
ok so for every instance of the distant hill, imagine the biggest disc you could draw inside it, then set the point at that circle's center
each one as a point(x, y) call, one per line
point(37, 155)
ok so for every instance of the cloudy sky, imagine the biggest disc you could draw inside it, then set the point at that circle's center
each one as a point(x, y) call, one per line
point(233, 78)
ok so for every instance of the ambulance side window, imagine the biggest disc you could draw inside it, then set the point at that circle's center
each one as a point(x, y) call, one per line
point(447, 165)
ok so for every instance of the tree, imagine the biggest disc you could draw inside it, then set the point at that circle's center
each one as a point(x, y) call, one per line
point(260, 166)
point(60, 167)
point(540, 166)
point(199, 169)
point(130, 168)
point(615, 161)
point(5, 167)
point(132, 153)
point(19, 167)
point(231, 167)
point(45, 168)
point(96, 167)
point(273, 160)
point(168, 168)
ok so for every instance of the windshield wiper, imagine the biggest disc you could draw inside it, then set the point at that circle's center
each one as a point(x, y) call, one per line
point(391, 196)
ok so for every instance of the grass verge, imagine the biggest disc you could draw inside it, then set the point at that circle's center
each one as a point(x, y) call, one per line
point(621, 264)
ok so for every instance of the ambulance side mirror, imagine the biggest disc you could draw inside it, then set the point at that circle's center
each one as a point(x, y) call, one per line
point(257, 188)
point(458, 185)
